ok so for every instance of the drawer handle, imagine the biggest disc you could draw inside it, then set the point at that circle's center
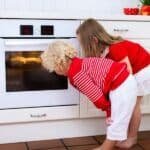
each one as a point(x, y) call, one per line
point(121, 30)
point(38, 115)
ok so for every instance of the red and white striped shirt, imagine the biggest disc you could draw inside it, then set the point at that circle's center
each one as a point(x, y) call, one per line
point(95, 77)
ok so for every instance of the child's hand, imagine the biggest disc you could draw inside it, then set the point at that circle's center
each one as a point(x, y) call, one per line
point(109, 121)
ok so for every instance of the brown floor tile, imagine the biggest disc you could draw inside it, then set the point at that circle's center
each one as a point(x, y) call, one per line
point(145, 144)
point(101, 138)
point(57, 148)
point(79, 141)
point(144, 135)
point(85, 147)
point(16, 146)
point(45, 144)
point(136, 147)
point(90, 147)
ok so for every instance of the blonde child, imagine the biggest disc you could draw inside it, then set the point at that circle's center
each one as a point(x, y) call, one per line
point(96, 42)
point(97, 78)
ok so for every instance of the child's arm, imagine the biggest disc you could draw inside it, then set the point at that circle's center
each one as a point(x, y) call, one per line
point(85, 84)
point(127, 61)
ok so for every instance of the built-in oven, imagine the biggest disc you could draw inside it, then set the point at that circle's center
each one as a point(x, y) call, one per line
point(24, 83)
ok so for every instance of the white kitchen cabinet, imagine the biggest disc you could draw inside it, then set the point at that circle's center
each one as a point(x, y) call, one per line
point(87, 108)
point(137, 31)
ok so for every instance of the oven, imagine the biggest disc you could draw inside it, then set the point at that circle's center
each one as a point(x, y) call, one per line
point(24, 83)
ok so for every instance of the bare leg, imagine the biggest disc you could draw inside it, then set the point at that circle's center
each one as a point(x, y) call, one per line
point(107, 145)
point(136, 119)
point(133, 126)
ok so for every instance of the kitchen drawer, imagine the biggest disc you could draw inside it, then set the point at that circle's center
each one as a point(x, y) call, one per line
point(128, 29)
point(38, 114)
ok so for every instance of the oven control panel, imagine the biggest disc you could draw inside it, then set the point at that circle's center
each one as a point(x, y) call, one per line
point(38, 28)
point(44, 29)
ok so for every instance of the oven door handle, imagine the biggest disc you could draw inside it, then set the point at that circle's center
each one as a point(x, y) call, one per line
point(34, 44)
point(27, 42)
point(31, 42)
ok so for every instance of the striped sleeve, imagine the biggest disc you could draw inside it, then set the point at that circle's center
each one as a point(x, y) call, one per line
point(84, 83)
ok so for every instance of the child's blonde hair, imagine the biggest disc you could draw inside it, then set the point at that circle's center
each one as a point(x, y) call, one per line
point(57, 53)
point(91, 29)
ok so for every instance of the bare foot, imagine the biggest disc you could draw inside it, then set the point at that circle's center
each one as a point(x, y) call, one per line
point(127, 143)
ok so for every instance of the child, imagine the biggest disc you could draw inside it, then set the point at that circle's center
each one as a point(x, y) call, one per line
point(95, 41)
point(97, 78)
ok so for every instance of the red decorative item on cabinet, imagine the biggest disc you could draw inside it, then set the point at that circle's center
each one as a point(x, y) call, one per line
point(145, 10)
point(131, 11)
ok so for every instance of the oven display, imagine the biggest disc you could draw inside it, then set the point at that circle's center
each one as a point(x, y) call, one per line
point(24, 72)
point(47, 30)
point(26, 29)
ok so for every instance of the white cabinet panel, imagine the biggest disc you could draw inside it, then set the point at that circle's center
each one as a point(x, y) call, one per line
point(146, 105)
point(15, 5)
point(35, 6)
point(2, 4)
point(49, 5)
point(128, 29)
point(87, 108)
point(91, 8)
point(61, 5)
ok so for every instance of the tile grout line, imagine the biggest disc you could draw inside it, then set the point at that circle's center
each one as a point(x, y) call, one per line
point(140, 146)
point(97, 140)
point(27, 146)
point(64, 144)
point(74, 145)
point(80, 145)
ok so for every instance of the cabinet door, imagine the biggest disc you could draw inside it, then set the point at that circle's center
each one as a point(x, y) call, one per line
point(128, 29)
point(87, 108)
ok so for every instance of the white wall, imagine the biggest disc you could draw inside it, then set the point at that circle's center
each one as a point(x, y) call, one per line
point(66, 6)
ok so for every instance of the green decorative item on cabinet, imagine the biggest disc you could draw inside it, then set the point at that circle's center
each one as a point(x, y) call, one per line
point(145, 9)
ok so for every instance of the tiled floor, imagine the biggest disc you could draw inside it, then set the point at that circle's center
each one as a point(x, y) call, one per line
point(82, 143)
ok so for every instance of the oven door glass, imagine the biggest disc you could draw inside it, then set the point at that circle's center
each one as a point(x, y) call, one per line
point(24, 72)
